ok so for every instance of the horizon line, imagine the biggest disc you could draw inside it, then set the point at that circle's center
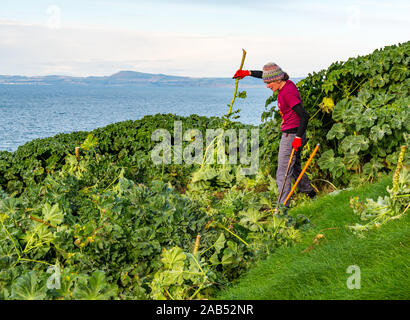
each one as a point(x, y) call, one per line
point(102, 76)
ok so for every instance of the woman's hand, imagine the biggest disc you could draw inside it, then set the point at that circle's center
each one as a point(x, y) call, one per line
point(242, 74)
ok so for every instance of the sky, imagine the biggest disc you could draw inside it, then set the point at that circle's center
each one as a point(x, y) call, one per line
point(192, 38)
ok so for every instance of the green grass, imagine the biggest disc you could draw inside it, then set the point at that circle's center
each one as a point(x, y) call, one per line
point(383, 257)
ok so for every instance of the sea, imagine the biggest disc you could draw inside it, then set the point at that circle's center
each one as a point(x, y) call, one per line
point(28, 112)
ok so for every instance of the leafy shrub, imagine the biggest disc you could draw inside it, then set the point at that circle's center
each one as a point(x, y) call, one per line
point(359, 114)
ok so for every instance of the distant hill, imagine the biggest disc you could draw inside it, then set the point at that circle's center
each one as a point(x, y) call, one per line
point(132, 78)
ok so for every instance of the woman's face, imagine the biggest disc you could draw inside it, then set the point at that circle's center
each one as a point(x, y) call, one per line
point(274, 85)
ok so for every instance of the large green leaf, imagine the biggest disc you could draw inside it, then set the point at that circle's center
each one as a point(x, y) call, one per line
point(371, 168)
point(380, 80)
point(400, 72)
point(9, 205)
point(335, 165)
point(219, 243)
point(28, 287)
point(251, 219)
point(173, 259)
point(94, 287)
point(354, 144)
point(231, 254)
point(399, 89)
point(382, 63)
point(338, 131)
point(350, 115)
point(90, 142)
point(340, 109)
point(52, 214)
point(225, 176)
point(43, 233)
point(366, 119)
point(206, 173)
point(399, 119)
point(381, 100)
point(170, 277)
point(328, 85)
point(378, 132)
point(351, 161)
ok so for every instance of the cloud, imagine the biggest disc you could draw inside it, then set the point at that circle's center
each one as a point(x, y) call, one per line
point(38, 50)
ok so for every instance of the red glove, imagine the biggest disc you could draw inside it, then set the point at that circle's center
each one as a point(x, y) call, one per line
point(297, 142)
point(241, 74)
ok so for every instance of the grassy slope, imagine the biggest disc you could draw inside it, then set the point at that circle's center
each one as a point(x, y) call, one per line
point(383, 256)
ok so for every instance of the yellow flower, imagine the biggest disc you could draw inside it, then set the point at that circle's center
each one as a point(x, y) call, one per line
point(327, 105)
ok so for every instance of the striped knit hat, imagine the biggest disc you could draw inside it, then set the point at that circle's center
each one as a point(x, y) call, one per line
point(272, 72)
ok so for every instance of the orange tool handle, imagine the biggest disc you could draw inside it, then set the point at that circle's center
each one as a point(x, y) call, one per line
point(301, 174)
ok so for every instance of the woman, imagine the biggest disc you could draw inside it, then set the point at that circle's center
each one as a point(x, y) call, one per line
point(293, 127)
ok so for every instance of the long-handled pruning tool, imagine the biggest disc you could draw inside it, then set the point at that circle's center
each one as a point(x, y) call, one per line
point(301, 174)
point(298, 179)
point(284, 181)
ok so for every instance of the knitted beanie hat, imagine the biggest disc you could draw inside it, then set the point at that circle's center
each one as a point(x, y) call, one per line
point(272, 72)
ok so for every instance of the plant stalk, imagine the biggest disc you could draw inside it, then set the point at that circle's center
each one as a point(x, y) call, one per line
point(236, 85)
